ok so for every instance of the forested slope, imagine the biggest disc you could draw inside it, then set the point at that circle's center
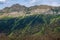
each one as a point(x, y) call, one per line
point(33, 27)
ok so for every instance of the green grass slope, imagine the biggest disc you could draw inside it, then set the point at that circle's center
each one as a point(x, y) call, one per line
point(33, 27)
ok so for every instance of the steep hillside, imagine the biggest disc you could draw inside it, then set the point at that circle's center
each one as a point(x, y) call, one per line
point(34, 27)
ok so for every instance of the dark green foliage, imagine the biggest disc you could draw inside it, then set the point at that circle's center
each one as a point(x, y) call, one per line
point(30, 25)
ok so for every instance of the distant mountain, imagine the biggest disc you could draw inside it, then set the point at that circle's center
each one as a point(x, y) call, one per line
point(14, 8)
point(38, 9)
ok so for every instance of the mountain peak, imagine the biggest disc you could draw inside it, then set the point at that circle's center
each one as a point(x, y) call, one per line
point(33, 9)
point(14, 8)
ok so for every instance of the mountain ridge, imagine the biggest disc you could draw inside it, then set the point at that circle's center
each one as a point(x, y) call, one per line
point(18, 7)
point(20, 10)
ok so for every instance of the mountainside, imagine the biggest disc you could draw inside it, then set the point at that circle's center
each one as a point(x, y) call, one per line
point(35, 27)
point(40, 9)
point(14, 9)
point(30, 23)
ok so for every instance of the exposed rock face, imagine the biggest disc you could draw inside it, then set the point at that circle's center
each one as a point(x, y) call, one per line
point(40, 9)
point(14, 8)
point(17, 9)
